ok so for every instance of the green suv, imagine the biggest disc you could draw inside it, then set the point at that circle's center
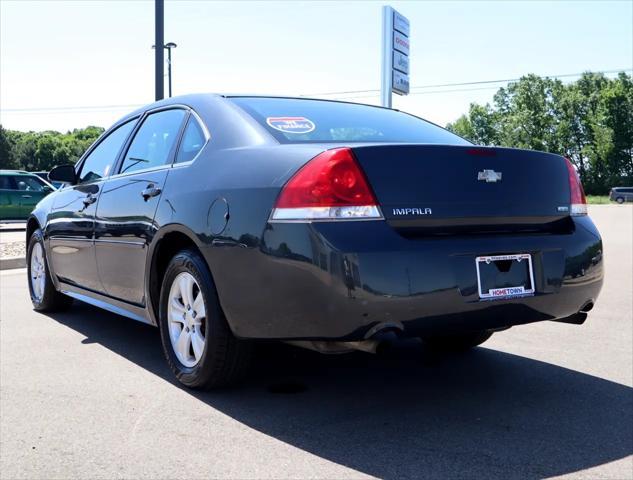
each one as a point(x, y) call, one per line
point(19, 193)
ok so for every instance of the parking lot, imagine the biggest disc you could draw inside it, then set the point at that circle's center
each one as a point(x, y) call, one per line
point(87, 394)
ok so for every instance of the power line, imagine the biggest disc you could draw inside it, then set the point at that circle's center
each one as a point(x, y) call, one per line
point(356, 94)
point(479, 82)
point(423, 93)
point(507, 80)
point(56, 109)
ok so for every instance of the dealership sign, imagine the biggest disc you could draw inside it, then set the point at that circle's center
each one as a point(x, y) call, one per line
point(395, 55)
point(401, 43)
point(400, 62)
point(400, 23)
point(400, 82)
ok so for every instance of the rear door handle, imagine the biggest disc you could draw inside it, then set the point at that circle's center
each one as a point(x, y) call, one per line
point(26, 196)
point(150, 191)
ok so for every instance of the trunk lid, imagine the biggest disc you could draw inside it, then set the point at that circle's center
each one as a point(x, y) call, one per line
point(449, 189)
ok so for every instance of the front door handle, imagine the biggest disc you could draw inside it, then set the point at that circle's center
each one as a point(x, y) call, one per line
point(26, 196)
point(89, 200)
point(150, 191)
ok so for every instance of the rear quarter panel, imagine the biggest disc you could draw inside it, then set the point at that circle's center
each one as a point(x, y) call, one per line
point(223, 199)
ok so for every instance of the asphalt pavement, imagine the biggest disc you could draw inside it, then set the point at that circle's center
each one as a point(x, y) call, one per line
point(87, 394)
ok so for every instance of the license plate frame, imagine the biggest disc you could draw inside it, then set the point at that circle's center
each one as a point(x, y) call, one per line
point(506, 292)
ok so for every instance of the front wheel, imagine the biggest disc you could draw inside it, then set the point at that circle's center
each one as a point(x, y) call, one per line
point(43, 294)
point(199, 346)
point(620, 200)
point(456, 343)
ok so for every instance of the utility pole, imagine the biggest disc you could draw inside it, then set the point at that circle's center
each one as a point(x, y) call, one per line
point(159, 41)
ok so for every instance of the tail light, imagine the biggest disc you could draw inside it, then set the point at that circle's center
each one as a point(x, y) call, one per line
point(331, 186)
point(578, 201)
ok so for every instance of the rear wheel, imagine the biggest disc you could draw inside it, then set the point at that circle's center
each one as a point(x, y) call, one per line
point(620, 200)
point(43, 294)
point(456, 343)
point(199, 346)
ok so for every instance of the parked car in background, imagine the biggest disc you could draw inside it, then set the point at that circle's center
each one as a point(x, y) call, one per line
point(621, 194)
point(324, 224)
point(44, 176)
point(19, 193)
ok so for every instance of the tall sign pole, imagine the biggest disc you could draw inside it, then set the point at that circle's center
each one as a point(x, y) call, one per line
point(159, 41)
point(386, 64)
point(395, 55)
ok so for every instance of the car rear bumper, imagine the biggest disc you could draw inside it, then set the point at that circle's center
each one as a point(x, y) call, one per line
point(347, 281)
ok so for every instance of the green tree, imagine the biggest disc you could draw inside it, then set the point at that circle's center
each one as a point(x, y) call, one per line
point(590, 121)
point(6, 150)
point(43, 150)
point(479, 126)
point(527, 109)
point(616, 113)
point(24, 150)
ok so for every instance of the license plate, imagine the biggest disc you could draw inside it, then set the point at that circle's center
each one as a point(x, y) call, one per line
point(505, 276)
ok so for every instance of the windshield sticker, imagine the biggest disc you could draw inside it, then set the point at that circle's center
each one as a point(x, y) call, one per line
point(291, 124)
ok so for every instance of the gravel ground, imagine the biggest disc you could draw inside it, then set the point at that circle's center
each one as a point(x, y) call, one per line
point(12, 240)
point(12, 249)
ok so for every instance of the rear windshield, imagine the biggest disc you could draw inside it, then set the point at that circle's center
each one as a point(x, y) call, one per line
point(292, 120)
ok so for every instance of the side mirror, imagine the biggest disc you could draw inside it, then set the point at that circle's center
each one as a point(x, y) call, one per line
point(64, 174)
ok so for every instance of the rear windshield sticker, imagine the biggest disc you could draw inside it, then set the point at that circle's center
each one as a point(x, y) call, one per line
point(291, 124)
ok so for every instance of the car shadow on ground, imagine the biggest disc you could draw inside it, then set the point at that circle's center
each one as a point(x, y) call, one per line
point(409, 413)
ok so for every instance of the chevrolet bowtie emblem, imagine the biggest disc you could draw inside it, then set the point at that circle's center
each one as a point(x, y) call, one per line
point(489, 176)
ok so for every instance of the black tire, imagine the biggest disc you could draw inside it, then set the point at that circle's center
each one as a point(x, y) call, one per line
point(51, 300)
point(457, 343)
point(225, 359)
point(620, 200)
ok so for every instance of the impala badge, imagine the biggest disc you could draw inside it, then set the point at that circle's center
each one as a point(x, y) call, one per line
point(412, 211)
point(489, 176)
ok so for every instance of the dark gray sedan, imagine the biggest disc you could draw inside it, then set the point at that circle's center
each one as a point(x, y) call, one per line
point(227, 219)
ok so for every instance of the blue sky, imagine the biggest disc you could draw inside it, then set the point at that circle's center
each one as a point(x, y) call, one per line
point(98, 53)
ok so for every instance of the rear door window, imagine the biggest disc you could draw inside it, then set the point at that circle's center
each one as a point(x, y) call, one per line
point(154, 143)
point(30, 184)
point(7, 182)
point(192, 141)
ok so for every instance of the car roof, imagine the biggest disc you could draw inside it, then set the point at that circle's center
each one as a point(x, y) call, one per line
point(16, 172)
point(198, 101)
point(190, 100)
point(292, 97)
point(196, 98)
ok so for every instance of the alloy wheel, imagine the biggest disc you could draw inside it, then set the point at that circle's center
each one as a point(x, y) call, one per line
point(38, 272)
point(186, 319)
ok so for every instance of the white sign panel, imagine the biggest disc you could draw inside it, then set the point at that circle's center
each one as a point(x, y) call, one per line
point(395, 55)
point(400, 43)
point(400, 62)
point(400, 23)
point(400, 83)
